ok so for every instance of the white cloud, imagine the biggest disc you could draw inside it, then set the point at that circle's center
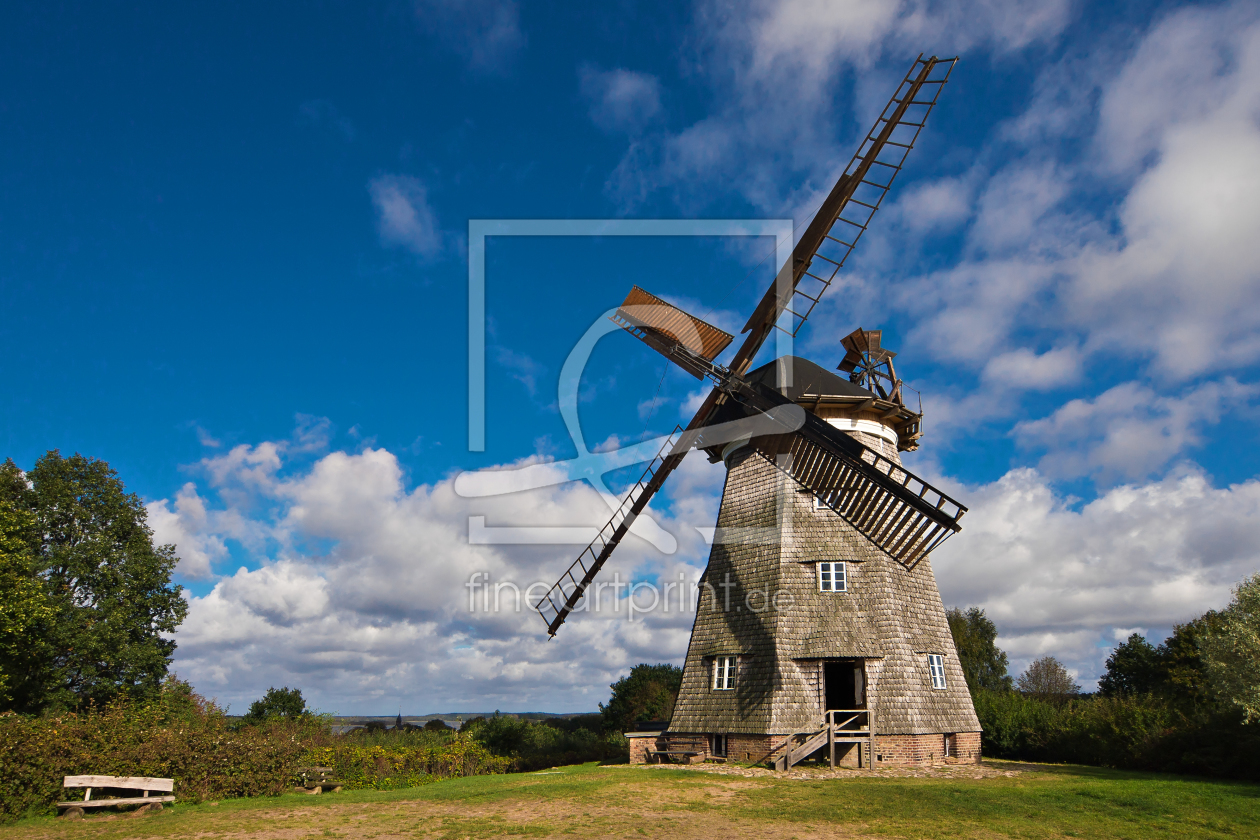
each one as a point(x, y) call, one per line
point(1128, 431)
point(1059, 580)
point(366, 605)
point(1171, 275)
point(187, 528)
point(357, 591)
point(931, 206)
point(1025, 370)
point(404, 216)
point(620, 100)
point(775, 65)
point(487, 34)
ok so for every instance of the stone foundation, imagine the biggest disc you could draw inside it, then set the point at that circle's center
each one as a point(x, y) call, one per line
point(927, 749)
point(890, 750)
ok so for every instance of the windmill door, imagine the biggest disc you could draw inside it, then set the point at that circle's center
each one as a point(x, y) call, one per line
point(844, 684)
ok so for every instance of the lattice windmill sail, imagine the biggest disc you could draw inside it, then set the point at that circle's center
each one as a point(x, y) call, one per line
point(850, 653)
point(901, 513)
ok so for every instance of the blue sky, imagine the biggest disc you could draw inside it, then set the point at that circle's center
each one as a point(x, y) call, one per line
point(233, 263)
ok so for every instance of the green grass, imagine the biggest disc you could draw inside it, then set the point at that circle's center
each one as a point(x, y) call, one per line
point(593, 801)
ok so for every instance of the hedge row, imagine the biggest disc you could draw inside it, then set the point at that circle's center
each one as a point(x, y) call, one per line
point(182, 737)
point(1141, 732)
point(387, 768)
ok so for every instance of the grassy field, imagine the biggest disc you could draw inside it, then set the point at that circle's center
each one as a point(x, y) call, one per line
point(1034, 801)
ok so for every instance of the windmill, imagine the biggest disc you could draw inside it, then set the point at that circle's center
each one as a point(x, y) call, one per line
point(817, 507)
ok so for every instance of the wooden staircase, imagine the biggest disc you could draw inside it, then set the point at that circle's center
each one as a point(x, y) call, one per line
point(840, 726)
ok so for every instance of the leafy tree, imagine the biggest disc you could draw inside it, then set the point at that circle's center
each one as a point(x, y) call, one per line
point(984, 664)
point(23, 603)
point(1047, 679)
point(1185, 674)
point(1231, 651)
point(648, 692)
point(436, 725)
point(108, 587)
point(277, 703)
point(1174, 670)
point(1134, 667)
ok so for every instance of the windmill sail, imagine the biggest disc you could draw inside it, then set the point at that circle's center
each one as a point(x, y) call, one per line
point(847, 211)
point(567, 592)
point(686, 340)
point(900, 512)
point(893, 508)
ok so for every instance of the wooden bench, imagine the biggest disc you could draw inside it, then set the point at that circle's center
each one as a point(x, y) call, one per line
point(75, 808)
point(317, 780)
point(681, 754)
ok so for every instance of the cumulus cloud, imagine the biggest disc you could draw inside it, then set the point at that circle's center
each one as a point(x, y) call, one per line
point(1169, 277)
point(1024, 369)
point(187, 527)
point(1128, 431)
point(365, 602)
point(404, 215)
point(357, 588)
point(620, 100)
point(1058, 579)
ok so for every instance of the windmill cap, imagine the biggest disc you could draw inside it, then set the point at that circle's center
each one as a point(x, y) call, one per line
point(806, 377)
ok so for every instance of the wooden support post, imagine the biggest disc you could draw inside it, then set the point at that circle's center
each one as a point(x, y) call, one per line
point(88, 797)
point(831, 738)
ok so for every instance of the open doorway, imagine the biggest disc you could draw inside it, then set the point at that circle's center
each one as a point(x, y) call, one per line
point(844, 684)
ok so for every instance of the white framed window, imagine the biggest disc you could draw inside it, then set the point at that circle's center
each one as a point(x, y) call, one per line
point(723, 673)
point(833, 576)
point(936, 667)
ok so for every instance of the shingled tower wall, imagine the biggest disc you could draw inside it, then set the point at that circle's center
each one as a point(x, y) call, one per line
point(760, 601)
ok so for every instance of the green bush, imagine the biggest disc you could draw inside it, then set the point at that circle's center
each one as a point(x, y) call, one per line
point(186, 738)
point(177, 736)
point(1137, 732)
point(534, 745)
point(400, 766)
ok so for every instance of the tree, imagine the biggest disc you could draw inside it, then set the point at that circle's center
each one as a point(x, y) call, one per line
point(1134, 667)
point(1185, 674)
point(648, 692)
point(975, 638)
point(108, 587)
point(1047, 679)
point(1231, 651)
point(277, 703)
point(23, 603)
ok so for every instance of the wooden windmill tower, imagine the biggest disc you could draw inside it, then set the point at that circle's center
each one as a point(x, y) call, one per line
point(819, 627)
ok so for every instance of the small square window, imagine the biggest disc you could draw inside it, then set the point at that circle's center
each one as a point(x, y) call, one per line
point(833, 576)
point(723, 673)
point(936, 667)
